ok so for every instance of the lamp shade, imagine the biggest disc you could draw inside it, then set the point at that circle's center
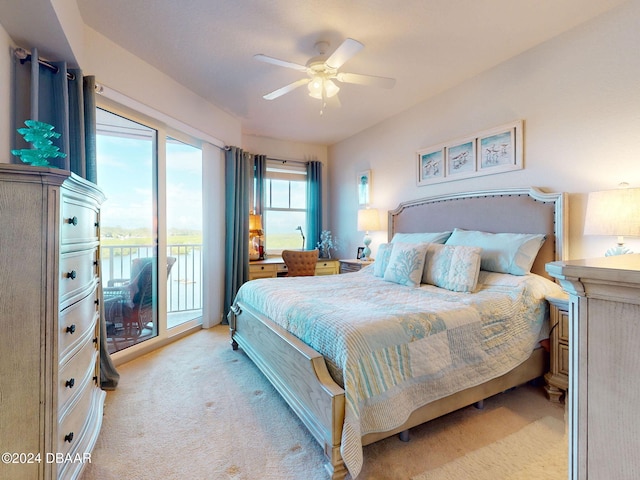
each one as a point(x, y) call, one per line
point(613, 212)
point(368, 220)
point(255, 222)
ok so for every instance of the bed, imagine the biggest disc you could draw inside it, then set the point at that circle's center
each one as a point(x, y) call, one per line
point(350, 398)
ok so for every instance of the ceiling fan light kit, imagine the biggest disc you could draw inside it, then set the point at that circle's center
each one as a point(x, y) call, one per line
point(321, 88)
point(322, 71)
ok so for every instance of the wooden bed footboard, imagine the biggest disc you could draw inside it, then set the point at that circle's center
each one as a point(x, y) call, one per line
point(300, 375)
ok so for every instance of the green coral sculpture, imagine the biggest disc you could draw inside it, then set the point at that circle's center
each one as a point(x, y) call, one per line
point(39, 134)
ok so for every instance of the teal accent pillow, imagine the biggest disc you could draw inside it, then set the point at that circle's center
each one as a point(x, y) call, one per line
point(427, 237)
point(512, 253)
point(406, 263)
point(455, 268)
point(382, 259)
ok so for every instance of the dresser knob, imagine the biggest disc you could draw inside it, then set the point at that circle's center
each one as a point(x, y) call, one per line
point(72, 274)
point(97, 301)
point(73, 221)
point(70, 383)
point(68, 437)
point(71, 329)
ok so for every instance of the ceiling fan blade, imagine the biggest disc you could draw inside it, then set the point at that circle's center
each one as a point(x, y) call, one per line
point(344, 52)
point(371, 80)
point(286, 89)
point(281, 63)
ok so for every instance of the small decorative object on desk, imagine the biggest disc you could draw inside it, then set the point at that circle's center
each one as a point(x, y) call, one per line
point(39, 134)
point(302, 235)
point(326, 244)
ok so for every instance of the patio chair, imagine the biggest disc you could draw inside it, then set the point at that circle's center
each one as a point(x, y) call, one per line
point(129, 303)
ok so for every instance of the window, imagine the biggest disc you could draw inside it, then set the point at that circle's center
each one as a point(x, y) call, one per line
point(285, 206)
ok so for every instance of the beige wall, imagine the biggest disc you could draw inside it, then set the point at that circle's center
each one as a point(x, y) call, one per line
point(578, 95)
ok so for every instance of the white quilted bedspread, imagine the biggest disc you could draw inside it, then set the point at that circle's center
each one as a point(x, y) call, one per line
point(395, 348)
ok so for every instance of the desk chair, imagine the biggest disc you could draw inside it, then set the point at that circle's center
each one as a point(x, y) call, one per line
point(300, 263)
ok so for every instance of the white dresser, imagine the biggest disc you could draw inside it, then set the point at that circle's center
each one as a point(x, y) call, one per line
point(50, 401)
point(604, 361)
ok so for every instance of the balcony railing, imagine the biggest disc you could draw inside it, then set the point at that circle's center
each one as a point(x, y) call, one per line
point(184, 284)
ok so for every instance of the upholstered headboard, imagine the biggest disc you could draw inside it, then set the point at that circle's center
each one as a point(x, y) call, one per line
point(514, 210)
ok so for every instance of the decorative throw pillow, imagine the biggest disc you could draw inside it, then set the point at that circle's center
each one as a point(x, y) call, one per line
point(512, 253)
point(382, 259)
point(427, 237)
point(455, 268)
point(406, 263)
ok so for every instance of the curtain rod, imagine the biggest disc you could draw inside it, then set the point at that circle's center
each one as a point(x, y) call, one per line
point(25, 56)
point(288, 161)
point(301, 162)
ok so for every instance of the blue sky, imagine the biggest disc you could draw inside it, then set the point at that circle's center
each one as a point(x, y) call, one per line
point(125, 174)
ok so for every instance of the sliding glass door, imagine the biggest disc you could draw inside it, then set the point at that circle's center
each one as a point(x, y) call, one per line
point(126, 159)
point(151, 229)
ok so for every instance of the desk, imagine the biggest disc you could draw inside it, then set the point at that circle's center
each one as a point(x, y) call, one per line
point(275, 267)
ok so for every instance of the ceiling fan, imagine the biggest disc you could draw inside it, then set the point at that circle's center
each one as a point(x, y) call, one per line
point(322, 70)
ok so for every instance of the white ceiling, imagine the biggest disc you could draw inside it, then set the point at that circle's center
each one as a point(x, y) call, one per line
point(427, 45)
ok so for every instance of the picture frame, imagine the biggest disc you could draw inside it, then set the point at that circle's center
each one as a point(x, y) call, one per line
point(364, 188)
point(500, 149)
point(431, 165)
point(461, 158)
point(495, 150)
point(360, 253)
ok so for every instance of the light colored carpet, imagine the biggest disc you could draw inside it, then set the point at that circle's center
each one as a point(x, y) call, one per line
point(528, 454)
point(196, 409)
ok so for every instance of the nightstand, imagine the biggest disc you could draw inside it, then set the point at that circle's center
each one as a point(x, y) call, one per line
point(558, 377)
point(353, 265)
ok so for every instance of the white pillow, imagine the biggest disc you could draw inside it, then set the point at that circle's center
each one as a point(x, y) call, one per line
point(512, 253)
point(406, 263)
point(455, 268)
point(427, 237)
point(382, 259)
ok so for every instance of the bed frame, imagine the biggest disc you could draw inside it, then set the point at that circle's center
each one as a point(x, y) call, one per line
point(300, 374)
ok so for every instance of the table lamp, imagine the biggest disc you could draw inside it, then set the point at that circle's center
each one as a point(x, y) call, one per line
point(255, 234)
point(368, 220)
point(614, 213)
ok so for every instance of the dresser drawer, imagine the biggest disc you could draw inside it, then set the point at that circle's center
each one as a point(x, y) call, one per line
point(78, 271)
point(77, 323)
point(72, 423)
point(327, 267)
point(78, 222)
point(80, 369)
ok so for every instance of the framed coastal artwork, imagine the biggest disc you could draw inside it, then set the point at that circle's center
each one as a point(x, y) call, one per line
point(364, 188)
point(431, 165)
point(495, 150)
point(500, 149)
point(461, 158)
